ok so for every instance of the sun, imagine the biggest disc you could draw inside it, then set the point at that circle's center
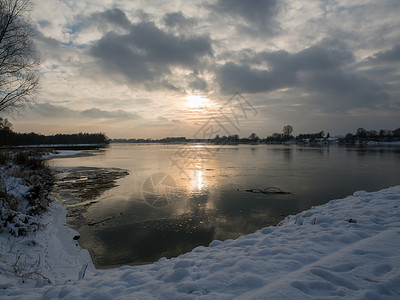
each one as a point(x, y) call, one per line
point(195, 101)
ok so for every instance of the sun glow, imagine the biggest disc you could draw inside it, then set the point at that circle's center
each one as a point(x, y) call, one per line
point(196, 101)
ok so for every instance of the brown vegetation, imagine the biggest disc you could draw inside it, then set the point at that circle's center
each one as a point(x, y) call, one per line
point(28, 196)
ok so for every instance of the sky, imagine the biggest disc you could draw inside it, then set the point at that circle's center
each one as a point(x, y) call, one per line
point(156, 68)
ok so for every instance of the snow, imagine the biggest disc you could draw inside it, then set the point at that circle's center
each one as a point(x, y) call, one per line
point(347, 248)
point(63, 153)
point(60, 257)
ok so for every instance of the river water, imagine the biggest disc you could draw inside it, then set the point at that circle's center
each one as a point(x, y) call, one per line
point(178, 197)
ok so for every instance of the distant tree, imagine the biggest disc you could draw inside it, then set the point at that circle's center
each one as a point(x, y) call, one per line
point(274, 138)
point(328, 135)
point(277, 136)
point(5, 131)
point(5, 124)
point(233, 139)
point(287, 130)
point(18, 60)
point(349, 138)
point(361, 132)
point(372, 133)
point(253, 137)
point(383, 133)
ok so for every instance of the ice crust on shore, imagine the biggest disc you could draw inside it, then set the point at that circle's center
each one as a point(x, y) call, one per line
point(346, 248)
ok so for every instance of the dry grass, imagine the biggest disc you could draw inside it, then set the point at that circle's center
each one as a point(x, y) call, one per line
point(33, 171)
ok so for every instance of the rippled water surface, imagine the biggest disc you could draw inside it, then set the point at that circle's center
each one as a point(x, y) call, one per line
point(178, 197)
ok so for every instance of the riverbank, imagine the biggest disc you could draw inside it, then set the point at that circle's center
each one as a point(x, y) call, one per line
point(36, 246)
point(345, 248)
point(48, 257)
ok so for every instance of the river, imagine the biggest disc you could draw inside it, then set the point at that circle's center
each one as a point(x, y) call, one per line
point(178, 197)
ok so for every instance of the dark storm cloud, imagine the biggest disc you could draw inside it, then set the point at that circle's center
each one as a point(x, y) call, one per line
point(318, 70)
point(177, 19)
point(196, 82)
point(169, 86)
point(340, 91)
point(383, 65)
point(233, 77)
point(257, 15)
point(161, 47)
point(59, 112)
point(391, 55)
point(146, 52)
point(325, 55)
point(282, 71)
point(112, 17)
point(117, 56)
point(103, 114)
point(256, 11)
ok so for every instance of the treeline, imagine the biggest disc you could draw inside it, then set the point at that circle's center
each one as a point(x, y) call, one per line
point(11, 138)
point(19, 139)
point(360, 136)
point(167, 140)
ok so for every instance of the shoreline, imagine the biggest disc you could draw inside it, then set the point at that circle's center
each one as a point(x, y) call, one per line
point(335, 249)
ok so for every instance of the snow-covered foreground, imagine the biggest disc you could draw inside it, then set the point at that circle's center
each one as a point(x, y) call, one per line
point(345, 248)
point(51, 253)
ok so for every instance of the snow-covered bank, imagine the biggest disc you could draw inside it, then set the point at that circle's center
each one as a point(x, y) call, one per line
point(46, 256)
point(345, 248)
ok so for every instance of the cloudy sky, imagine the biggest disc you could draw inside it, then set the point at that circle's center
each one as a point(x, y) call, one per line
point(156, 68)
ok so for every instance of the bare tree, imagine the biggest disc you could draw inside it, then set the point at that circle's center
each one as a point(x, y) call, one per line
point(19, 64)
point(287, 130)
